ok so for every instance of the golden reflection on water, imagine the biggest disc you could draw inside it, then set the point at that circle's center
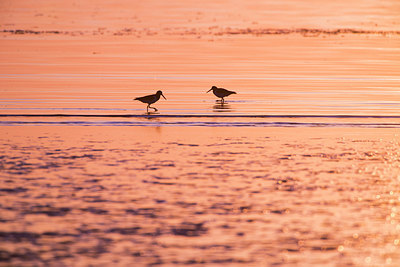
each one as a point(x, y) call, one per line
point(233, 196)
point(179, 195)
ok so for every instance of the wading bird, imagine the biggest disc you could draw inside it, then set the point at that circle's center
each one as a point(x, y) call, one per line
point(221, 92)
point(150, 99)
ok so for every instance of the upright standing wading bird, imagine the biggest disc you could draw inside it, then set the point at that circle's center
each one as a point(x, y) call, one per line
point(221, 92)
point(150, 99)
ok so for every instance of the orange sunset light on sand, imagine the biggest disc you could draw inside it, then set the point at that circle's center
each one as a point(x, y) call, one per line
point(278, 144)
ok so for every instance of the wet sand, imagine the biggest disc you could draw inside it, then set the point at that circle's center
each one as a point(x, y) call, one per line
point(300, 168)
point(206, 196)
point(281, 58)
point(292, 75)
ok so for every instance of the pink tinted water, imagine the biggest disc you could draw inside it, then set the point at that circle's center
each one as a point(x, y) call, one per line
point(199, 195)
point(253, 189)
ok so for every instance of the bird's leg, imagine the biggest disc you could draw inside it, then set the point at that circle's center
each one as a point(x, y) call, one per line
point(153, 108)
point(222, 101)
point(148, 108)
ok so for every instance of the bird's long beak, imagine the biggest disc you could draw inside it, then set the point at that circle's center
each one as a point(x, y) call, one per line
point(209, 90)
point(163, 96)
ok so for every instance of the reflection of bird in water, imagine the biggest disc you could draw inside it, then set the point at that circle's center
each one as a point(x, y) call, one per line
point(150, 99)
point(221, 92)
point(222, 108)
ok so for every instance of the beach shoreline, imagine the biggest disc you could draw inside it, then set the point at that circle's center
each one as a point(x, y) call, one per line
point(299, 168)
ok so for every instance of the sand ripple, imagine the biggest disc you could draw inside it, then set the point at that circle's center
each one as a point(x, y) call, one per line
point(225, 199)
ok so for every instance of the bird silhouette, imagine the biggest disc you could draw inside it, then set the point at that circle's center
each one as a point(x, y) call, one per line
point(221, 92)
point(150, 99)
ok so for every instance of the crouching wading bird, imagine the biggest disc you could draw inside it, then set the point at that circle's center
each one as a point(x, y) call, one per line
point(221, 93)
point(150, 99)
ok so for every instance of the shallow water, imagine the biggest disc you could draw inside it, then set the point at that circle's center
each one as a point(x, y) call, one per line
point(213, 196)
point(325, 76)
point(322, 77)
point(157, 120)
point(299, 168)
